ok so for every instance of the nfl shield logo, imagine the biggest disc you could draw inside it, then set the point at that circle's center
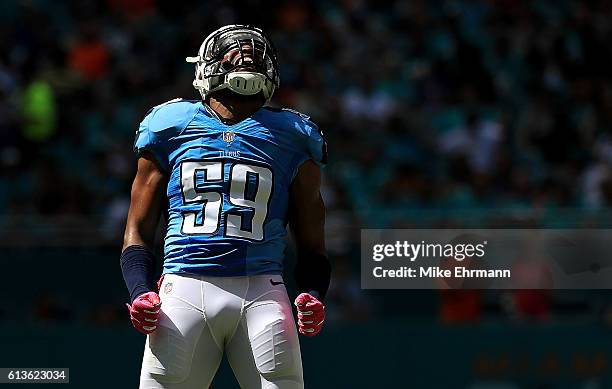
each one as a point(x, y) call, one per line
point(168, 288)
point(229, 136)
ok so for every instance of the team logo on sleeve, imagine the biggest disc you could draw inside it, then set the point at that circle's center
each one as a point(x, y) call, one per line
point(229, 136)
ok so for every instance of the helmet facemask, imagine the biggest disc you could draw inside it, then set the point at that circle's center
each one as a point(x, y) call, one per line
point(237, 58)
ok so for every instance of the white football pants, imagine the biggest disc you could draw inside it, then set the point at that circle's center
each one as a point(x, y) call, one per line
point(249, 318)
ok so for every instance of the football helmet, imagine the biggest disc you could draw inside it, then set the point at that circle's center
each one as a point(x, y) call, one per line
point(253, 68)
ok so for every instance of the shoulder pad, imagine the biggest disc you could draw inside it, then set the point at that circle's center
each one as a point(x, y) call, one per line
point(309, 134)
point(176, 114)
point(289, 111)
point(291, 119)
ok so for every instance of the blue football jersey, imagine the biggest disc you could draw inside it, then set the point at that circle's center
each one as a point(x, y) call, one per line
point(228, 185)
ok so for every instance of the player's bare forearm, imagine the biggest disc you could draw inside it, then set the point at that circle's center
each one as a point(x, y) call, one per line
point(307, 211)
point(146, 203)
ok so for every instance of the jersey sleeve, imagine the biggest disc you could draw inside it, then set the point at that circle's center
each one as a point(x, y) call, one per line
point(149, 141)
point(160, 125)
point(315, 144)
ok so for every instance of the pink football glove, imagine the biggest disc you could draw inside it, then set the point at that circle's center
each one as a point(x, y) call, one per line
point(311, 314)
point(144, 312)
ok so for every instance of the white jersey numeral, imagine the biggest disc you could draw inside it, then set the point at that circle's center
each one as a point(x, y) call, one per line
point(238, 184)
point(213, 200)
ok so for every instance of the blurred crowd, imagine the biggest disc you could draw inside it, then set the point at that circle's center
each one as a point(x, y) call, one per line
point(442, 113)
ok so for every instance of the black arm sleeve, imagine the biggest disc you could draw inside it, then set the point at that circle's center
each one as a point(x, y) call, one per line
point(312, 273)
point(138, 268)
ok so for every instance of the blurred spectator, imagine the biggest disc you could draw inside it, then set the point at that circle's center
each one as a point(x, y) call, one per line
point(477, 141)
point(460, 306)
point(48, 308)
point(38, 111)
point(90, 55)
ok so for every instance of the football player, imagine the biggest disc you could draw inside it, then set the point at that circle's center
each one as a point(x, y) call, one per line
point(232, 173)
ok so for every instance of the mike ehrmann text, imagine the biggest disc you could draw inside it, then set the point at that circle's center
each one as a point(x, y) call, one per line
point(437, 272)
